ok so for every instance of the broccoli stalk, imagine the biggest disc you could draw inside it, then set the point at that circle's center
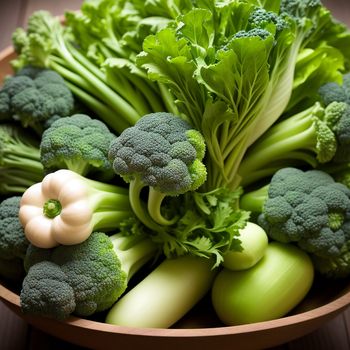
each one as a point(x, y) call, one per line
point(305, 138)
point(20, 165)
point(65, 208)
point(82, 279)
point(161, 152)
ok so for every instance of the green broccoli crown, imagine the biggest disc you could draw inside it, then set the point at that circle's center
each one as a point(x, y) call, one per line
point(342, 129)
point(337, 115)
point(5, 111)
point(34, 95)
point(255, 32)
point(334, 267)
point(260, 18)
point(326, 144)
point(333, 92)
point(13, 243)
point(92, 270)
point(163, 151)
point(299, 8)
point(308, 208)
point(78, 143)
point(333, 113)
point(46, 291)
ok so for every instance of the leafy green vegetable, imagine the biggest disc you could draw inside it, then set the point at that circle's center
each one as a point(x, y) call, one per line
point(231, 68)
point(118, 101)
point(20, 165)
point(310, 137)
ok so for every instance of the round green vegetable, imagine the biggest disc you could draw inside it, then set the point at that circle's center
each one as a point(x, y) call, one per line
point(268, 290)
point(254, 242)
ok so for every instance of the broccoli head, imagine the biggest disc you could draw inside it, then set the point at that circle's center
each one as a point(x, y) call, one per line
point(334, 267)
point(13, 242)
point(78, 143)
point(162, 152)
point(33, 96)
point(84, 278)
point(334, 92)
point(309, 208)
point(339, 120)
point(260, 18)
point(46, 291)
point(305, 207)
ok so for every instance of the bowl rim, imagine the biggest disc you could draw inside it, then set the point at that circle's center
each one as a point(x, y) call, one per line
point(325, 310)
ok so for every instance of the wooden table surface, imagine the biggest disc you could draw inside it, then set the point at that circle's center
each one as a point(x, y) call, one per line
point(15, 334)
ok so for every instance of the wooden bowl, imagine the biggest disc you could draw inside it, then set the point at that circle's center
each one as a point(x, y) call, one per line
point(200, 328)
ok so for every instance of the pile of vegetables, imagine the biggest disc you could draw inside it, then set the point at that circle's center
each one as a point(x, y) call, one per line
point(154, 153)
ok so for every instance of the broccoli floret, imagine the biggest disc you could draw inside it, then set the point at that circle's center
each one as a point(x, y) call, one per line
point(78, 143)
point(164, 153)
point(334, 267)
point(304, 138)
point(20, 165)
point(258, 32)
point(260, 18)
point(334, 92)
point(33, 96)
point(46, 291)
point(13, 243)
point(82, 279)
point(339, 120)
point(299, 8)
point(308, 208)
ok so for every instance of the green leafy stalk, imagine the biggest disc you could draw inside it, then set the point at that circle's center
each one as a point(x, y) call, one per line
point(48, 44)
point(20, 165)
point(301, 138)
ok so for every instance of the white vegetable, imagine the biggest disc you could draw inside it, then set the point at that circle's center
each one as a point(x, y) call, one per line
point(61, 209)
point(165, 295)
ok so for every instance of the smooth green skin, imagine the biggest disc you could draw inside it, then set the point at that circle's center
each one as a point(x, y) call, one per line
point(269, 290)
point(165, 295)
point(254, 243)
